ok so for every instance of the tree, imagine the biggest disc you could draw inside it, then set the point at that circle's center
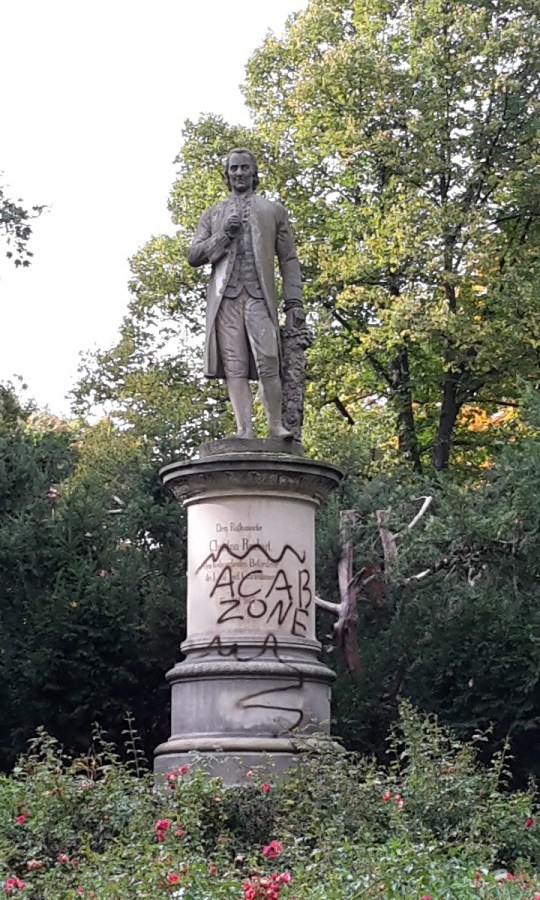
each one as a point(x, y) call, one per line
point(452, 622)
point(16, 228)
point(92, 588)
point(155, 392)
point(403, 135)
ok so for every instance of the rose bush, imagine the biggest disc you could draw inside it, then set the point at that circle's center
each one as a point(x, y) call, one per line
point(433, 824)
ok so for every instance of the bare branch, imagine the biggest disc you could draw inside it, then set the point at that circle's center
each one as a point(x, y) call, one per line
point(473, 574)
point(120, 503)
point(334, 608)
point(388, 540)
point(345, 629)
point(423, 509)
point(418, 577)
point(343, 410)
point(362, 582)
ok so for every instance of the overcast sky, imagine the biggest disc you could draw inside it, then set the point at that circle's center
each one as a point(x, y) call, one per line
point(92, 100)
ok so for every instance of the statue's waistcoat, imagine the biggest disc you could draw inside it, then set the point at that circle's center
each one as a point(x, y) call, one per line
point(244, 273)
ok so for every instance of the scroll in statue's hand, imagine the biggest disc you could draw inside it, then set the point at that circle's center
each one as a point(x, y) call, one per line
point(232, 226)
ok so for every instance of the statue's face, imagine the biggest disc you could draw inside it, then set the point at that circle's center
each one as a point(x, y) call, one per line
point(240, 172)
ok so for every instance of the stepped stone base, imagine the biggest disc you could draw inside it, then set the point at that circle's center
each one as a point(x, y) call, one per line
point(251, 692)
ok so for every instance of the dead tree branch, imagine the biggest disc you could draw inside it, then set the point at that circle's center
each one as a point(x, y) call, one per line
point(328, 605)
point(346, 627)
point(421, 512)
point(388, 540)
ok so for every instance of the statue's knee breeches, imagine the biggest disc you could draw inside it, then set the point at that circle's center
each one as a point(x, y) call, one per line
point(244, 328)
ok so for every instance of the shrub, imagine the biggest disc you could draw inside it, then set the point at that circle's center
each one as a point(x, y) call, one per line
point(434, 823)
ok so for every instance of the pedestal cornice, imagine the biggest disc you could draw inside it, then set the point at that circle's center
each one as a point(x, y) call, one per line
point(253, 472)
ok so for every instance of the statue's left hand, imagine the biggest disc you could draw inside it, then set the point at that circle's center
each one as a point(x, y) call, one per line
point(295, 318)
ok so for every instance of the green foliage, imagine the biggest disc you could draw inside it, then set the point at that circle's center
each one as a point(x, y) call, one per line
point(92, 587)
point(160, 399)
point(16, 229)
point(433, 824)
point(402, 138)
point(403, 135)
point(463, 639)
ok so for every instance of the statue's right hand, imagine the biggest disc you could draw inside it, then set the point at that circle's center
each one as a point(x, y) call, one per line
point(232, 226)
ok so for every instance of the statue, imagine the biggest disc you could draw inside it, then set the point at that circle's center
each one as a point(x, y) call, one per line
point(241, 237)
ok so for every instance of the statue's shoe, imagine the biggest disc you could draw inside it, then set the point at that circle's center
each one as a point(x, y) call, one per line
point(244, 433)
point(281, 433)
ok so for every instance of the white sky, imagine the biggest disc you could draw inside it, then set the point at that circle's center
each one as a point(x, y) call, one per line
point(93, 96)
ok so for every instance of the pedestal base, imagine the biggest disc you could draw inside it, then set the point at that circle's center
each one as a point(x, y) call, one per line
point(233, 763)
point(251, 692)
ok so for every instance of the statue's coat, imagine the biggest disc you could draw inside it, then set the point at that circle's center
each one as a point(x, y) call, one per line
point(271, 236)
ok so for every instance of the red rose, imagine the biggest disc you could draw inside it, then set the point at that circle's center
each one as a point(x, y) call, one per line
point(272, 849)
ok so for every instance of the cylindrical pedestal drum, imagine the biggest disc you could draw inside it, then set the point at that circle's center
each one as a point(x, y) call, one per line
point(251, 690)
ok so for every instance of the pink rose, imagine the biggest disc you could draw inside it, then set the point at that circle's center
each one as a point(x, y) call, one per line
point(273, 849)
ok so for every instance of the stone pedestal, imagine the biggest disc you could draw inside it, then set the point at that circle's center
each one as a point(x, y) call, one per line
point(251, 690)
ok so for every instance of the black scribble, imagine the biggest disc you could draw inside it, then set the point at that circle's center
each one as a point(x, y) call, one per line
point(270, 643)
point(215, 557)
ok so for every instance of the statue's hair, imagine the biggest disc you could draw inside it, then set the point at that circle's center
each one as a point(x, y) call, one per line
point(251, 159)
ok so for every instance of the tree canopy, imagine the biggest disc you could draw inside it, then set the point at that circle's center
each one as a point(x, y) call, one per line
point(401, 137)
point(91, 580)
point(404, 138)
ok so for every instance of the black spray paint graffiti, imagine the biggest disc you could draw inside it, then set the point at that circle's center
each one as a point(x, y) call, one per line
point(249, 548)
point(281, 600)
point(254, 700)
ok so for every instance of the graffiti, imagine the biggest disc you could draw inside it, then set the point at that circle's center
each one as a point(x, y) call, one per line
point(251, 671)
point(247, 549)
point(281, 611)
point(254, 700)
point(244, 590)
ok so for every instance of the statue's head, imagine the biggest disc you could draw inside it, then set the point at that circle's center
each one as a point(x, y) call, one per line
point(241, 166)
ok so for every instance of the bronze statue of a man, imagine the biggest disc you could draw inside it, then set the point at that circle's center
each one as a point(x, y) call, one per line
point(241, 237)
